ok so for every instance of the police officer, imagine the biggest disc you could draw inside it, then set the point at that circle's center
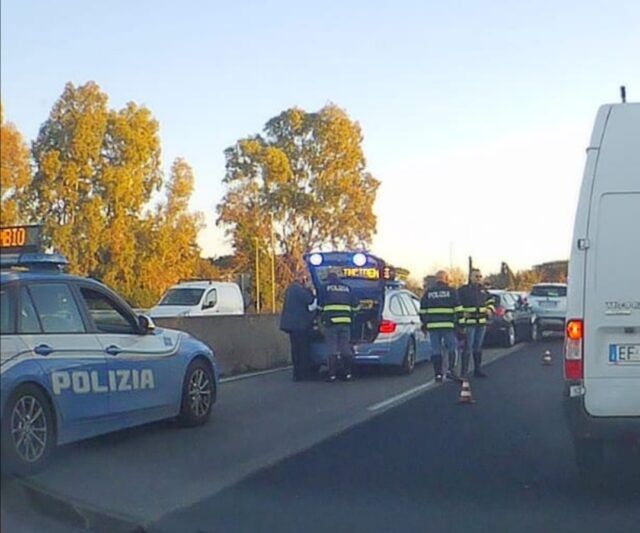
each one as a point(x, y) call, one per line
point(440, 312)
point(297, 320)
point(477, 304)
point(337, 304)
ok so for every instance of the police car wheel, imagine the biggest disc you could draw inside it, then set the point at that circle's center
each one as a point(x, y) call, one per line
point(409, 361)
point(198, 394)
point(28, 432)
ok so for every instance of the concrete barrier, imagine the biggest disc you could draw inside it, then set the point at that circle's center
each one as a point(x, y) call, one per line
point(241, 343)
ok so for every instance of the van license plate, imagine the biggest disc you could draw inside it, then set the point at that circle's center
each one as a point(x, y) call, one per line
point(621, 354)
point(549, 303)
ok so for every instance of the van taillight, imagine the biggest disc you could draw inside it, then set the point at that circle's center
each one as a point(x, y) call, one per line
point(387, 326)
point(573, 350)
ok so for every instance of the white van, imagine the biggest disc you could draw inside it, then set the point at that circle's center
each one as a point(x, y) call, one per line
point(602, 341)
point(200, 298)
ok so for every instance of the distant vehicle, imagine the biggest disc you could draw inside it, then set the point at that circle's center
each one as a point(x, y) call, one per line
point(602, 343)
point(549, 302)
point(513, 320)
point(200, 298)
point(77, 362)
point(387, 329)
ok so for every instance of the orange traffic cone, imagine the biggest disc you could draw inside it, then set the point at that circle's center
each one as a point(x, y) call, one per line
point(465, 393)
point(546, 358)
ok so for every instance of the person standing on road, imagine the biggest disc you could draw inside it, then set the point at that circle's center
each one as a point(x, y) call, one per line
point(337, 304)
point(297, 320)
point(440, 312)
point(477, 305)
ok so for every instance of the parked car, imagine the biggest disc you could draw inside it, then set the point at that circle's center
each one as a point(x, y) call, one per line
point(513, 320)
point(387, 329)
point(549, 303)
point(200, 298)
point(77, 362)
point(602, 342)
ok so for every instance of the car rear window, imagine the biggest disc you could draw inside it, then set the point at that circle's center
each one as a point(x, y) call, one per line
point(182, 297)
point(549, 291)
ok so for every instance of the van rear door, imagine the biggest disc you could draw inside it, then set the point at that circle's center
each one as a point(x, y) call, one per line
point(612, 273)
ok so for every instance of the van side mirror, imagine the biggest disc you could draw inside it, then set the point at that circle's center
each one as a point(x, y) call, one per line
point(146, 324)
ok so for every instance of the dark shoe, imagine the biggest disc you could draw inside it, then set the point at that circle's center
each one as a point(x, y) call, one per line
point(438, 378)
point(330, 379)
point(347, 377)
point(452, 376)
point(479, 374)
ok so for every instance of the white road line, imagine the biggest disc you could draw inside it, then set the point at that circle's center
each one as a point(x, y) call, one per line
point(254, 374)
point(402, 396)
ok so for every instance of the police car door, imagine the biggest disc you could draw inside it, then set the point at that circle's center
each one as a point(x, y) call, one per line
point(145, 376)
point(412, 303)
point(52, 327)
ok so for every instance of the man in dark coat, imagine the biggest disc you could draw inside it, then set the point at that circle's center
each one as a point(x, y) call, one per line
point(297, 320)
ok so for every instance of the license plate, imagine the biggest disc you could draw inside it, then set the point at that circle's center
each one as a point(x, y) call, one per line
point(549, 303)
point(624, 354)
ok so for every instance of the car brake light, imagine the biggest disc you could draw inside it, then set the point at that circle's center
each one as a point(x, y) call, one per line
point(573, 350)
point(500, 312)
point(387, 326)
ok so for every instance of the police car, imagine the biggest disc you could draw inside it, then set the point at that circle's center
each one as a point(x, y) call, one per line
point(78, 362)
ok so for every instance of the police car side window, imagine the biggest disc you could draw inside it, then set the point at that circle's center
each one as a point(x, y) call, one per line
point(408, 305)
point(28, 321)
point(56, 308)
point(395, 306)
point(6, 312)
point(106, 316)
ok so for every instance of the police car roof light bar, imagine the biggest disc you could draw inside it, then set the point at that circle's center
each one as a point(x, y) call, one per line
point(34, 261)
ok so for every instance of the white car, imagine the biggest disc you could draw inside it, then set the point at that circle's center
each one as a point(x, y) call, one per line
point(549, 303)
point(602, 344)
point(200, 298)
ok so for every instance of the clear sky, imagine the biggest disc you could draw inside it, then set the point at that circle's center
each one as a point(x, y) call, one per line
point(475, 114)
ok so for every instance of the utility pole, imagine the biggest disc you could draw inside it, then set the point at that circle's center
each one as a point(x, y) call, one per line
point(450, 256)
point(273, 269)
point(255, 239)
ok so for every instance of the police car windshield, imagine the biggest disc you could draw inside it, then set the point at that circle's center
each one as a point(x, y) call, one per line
point(182, 297)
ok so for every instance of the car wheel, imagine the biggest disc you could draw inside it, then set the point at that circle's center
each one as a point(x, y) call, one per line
point(510, 336)
point(409, 361)
point(28, 431)
point(589, 455)
point(534, 333)
point(198, 394)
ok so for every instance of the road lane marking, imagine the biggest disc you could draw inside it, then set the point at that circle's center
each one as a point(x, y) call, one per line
point(402, 396)
point(254, 374)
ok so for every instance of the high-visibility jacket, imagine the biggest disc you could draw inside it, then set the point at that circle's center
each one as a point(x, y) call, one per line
point(440, 307)
point(476, 303)
point(337, 304)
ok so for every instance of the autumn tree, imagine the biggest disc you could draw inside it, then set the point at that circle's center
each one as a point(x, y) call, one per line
point(170, 251)
point(15, 172)
point(304, 183)
point(96, 172)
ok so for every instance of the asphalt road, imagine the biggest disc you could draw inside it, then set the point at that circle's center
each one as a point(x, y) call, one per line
point(503, 464)
point(141, 475)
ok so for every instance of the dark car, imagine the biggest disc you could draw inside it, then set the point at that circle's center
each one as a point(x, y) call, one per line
point(513, 320)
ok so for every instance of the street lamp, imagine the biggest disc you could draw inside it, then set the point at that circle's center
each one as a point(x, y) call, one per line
point(255, 239)
point(273, 270)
